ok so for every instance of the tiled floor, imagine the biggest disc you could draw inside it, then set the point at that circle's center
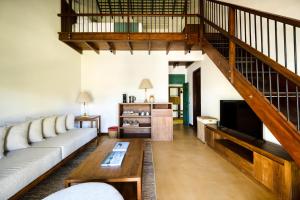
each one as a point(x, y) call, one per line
point(186, 169)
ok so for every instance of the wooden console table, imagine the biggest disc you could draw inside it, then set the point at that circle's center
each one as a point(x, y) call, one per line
point(265, 162)
point(92, 119)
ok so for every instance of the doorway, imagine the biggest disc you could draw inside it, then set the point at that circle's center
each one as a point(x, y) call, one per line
point(196, 96)
point(176, 97)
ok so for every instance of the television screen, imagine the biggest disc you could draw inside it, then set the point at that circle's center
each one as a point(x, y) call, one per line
point(238, 116)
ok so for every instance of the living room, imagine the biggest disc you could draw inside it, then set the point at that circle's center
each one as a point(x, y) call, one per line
point(42, 74)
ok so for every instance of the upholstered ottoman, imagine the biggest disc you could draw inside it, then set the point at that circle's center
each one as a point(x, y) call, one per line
point(87, 191)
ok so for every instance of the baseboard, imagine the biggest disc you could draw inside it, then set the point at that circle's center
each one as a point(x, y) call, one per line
point(105, 133)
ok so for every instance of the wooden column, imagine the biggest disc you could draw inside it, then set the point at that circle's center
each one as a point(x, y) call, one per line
point(232, 53)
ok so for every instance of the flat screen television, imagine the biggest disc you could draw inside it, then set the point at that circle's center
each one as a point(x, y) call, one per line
point(237, 116)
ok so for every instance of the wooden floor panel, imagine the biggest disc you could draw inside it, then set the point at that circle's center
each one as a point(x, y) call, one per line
point(188, 169)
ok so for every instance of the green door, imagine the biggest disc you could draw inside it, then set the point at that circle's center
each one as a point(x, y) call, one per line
point(186, 104)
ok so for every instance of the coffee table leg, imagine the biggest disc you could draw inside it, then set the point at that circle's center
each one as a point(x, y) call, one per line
point(139, 189)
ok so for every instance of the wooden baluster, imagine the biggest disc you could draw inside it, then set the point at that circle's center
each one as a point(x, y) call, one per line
point(201, 20)
point(232, 53)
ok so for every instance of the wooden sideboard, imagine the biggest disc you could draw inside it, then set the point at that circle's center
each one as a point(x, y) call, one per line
point(157, 124)
point(265, 162)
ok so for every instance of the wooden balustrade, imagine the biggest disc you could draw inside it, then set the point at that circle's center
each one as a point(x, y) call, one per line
point(254, 70)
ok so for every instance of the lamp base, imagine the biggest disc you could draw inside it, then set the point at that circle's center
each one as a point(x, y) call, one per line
point(146, 101)
point(85, 114)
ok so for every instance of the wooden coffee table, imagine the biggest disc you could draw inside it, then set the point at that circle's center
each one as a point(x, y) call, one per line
point(130, 172)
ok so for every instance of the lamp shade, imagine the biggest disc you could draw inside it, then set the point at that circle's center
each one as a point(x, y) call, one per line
point(145, 84)
point(84, 97)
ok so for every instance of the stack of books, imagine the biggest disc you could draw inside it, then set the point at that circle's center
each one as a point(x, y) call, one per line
point(117, 155)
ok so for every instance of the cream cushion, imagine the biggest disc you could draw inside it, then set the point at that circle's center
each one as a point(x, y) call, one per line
point(61, 124)
point(2, 136)
point(36, 131)
point(49, 127)
point(69, 141)
point(70, 121)
point(17, 137)
point(21, 167)
point(87, 191)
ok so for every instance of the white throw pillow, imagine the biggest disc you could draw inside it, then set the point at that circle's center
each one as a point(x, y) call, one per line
point(3, 131)
point(49, 127)
point(70, 120)
point(17, 137)
point(61, 124)
point(36, 131)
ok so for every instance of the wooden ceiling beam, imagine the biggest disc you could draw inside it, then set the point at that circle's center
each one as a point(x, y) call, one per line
point(180, 63)
point(188, 48)
point(175, 64)
point(168, 47)
point(93, 46)
point(130, 47)
point(149, 47)
point(121, 36)
point(187, 64)
point(112, 48)
point(74, 46)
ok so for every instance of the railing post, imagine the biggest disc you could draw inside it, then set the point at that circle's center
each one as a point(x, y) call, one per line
point(232, 53)
point(128, 19)
point(201, 9)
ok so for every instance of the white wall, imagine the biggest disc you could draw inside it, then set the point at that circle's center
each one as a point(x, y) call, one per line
point(39, 75)
point(215, 87)
point(286, 8)
point(108, 76)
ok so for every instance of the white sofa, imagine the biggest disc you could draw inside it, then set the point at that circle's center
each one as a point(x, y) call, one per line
point(18, 168)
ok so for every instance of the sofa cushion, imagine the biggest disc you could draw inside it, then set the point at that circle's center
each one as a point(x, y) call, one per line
point(3, 131)
point(49, 127)
point(70, 141)
point(36, 131)
point(70, 120)
point(21, 167)
point(61, 124)
point(17, 137)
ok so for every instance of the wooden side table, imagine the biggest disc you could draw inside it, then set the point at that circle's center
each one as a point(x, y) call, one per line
point(90, 118)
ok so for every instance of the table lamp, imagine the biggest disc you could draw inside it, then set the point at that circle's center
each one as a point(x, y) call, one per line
point(84, 98)
point(145, 84)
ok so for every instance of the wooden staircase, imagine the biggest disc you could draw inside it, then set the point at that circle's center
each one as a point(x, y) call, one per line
point(271, 89)
point(251, 48)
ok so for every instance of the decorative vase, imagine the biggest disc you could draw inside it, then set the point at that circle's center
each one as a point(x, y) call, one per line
point(151, 99)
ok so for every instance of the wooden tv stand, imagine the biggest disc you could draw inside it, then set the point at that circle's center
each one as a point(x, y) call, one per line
point(265, 162)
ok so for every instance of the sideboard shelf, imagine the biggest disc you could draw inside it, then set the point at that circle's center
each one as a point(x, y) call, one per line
point(124, 116)
point(266, 163)
point(138, 127)
point(157, 124)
